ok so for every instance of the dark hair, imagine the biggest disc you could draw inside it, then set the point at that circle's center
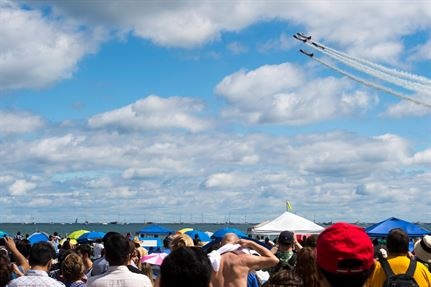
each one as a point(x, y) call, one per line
point(41, 254)
point(343, 280)
point(23, 247)
point(398, 241)
point(285, 278)
point(5, 270)
point(311, 241)
point(83, 249)
point(117, 249)
point(72, 268)
point(185, 266)
point(306, 267)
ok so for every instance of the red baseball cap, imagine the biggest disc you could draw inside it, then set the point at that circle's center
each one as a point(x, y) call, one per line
point(344, 248)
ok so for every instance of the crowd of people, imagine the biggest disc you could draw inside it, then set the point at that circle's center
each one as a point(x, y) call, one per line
point(343, 255)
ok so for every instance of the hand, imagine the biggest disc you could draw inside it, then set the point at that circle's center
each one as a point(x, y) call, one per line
point(9, 243)
point(245, 243)
point(16, 270)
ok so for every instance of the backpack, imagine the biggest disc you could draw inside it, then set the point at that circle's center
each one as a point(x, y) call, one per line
point(399, 280)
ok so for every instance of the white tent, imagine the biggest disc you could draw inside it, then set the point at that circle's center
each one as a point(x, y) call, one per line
point(287, 221)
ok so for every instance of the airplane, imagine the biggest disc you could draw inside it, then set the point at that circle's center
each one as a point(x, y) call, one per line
point(300, 39)
point(302, 35)
point(318, 45)
point(306, 53)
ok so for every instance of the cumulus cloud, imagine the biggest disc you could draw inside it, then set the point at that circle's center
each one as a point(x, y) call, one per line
point(226, 180)
point(36, 50)
point(154, 113)
point(21, 187)
point(421, 52)
point(408, 109)
point(19, 122)
point(191, 23)
point(278, 94)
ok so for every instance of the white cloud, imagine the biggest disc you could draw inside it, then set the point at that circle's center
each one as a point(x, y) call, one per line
point(280, 94)
point(19, 122)
point(36, 50)
point(367, 28)
point(422, 158)
point(142, 172)
point(282, 43)
point(226, 180)
point(154, 113)
point(421, 52)
point(408, 109)
point(21, 187)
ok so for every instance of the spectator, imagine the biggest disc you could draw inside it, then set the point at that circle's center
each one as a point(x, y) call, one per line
point(398, 249)
point(285, 252)
point(72, 270)
point(233, 262)
point(345, 256)
point(85, 251)
point(423, 251)
point(181, 240)
point(117, 252)
point(41, 255)
point(98, 247)
point(306, 267)
point(185, 267)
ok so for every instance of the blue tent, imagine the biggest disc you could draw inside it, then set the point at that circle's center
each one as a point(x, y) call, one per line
point(38, 237)
point(90, 237)
point(221, 232)
point(201, 235)
point(383, 228)
point(154, 229)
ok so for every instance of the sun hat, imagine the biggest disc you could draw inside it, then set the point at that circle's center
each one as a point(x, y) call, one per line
point(344, 248)
point(423, 249)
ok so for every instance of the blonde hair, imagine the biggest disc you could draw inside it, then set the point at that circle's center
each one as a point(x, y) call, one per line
point(181, 240)
point(72, 268)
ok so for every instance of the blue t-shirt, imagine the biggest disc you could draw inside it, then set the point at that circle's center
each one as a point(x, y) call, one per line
point(252, 280)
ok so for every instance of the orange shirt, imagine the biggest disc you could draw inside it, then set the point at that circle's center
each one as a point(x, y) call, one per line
point(399, 265)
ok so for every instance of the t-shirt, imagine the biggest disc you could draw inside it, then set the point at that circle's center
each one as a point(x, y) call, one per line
point(399, 265)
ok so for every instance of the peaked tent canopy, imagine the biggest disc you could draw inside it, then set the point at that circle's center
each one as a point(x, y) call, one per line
point(154, 229)
point(287, 221)
point(38, 237)
point(383, 228)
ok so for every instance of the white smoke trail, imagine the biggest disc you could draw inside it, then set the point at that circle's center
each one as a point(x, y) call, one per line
point(393, 72)
point(378, 74)
point(373, 85)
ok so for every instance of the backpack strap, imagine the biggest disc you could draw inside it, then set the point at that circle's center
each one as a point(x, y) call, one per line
point(386, 267)
point(412, 268)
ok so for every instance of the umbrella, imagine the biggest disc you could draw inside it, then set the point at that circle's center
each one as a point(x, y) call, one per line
point(38, 237)
point(72, 241)
point(184, 230)
point(3, 234)
point(383, 228)
point(201, 235)
point(154, 258)
point(221, 232)
point(76, 234)
point(154, 229)
point(90, 236)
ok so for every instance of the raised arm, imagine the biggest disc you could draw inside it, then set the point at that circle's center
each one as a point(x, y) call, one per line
point(265, 260)
point(21, 260)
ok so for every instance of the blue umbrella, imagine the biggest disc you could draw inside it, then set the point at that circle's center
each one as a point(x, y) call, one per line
point(3, 234)
point(90, 237)
point(38, 237)
point(383, 228)
point(201, 235)
point(221, 232)
point(154, 229)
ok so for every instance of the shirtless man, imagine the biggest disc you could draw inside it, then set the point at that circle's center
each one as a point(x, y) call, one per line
point(235, 266)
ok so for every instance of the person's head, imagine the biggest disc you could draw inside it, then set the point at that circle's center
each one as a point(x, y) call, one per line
point(345, 255)
point(181, 240)
point(66, 245)
point(41, 254)
point(231, 238)
point(5, 270)
point(23, 247)
point(84, 250)
point(423, 249)
point(147, 270)
point(117, 249)
point(186, 266)
point(397, 241)
point(285, 278)
point(285, 239)
point(311, 241)
point(306, 266)
point(72, 268)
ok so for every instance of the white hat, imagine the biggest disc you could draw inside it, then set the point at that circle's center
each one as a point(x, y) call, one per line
point(423, 249)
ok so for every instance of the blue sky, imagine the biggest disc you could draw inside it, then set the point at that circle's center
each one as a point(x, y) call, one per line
point(155, 110)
